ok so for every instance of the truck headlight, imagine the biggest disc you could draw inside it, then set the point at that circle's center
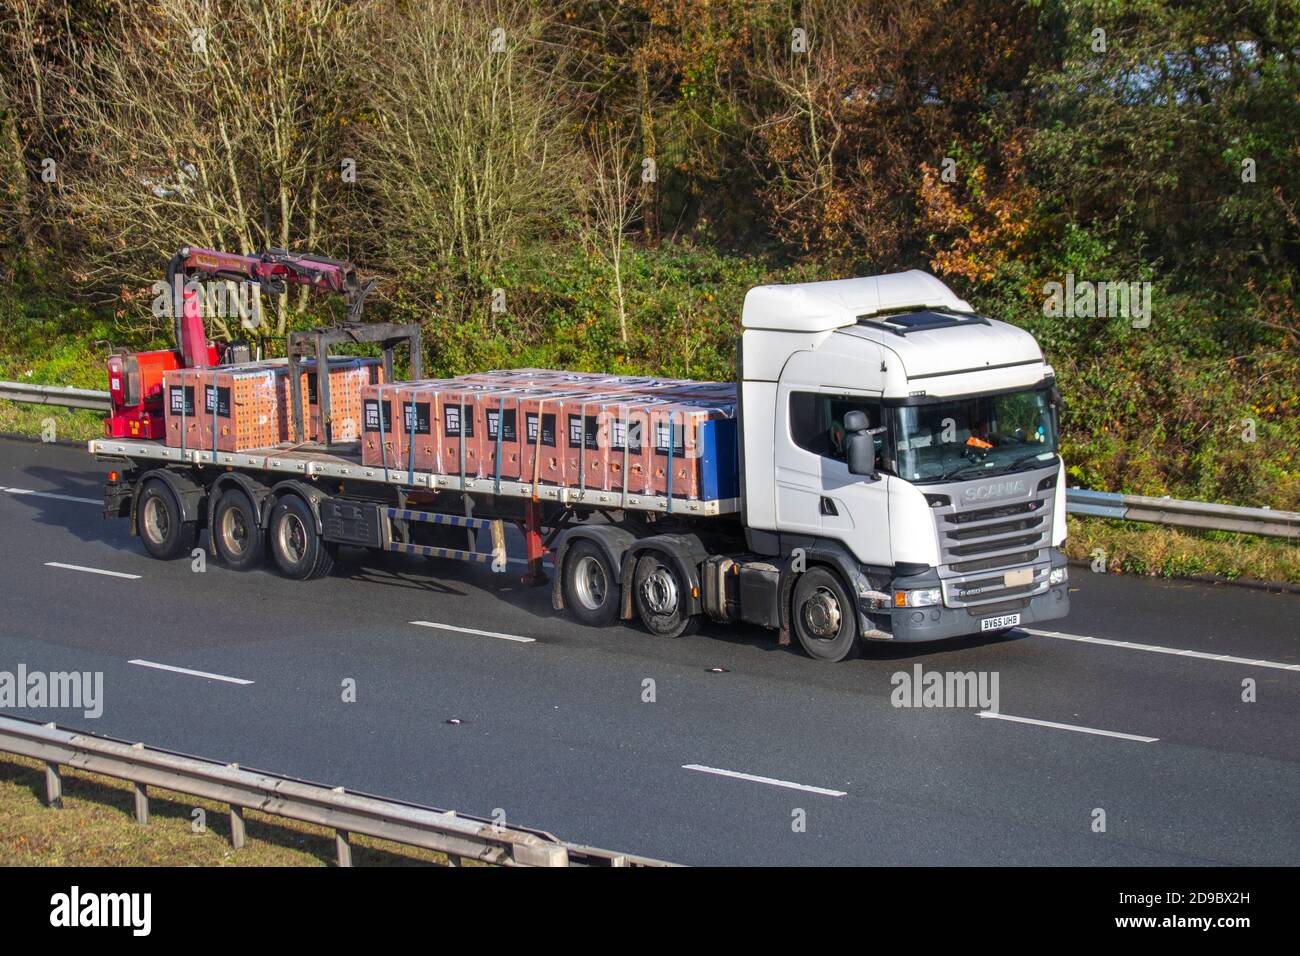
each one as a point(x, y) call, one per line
point(1058, 576)
point(925, 597)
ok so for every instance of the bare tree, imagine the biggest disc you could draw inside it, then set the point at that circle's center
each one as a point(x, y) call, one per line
point(613, 203)
point(24, 114)
point(465, 156)
point(211, 124)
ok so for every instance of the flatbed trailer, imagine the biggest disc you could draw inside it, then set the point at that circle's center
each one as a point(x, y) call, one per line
point(331, 499)
point(895, 461)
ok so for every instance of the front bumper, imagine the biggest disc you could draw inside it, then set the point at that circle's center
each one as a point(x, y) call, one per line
point(915, 624)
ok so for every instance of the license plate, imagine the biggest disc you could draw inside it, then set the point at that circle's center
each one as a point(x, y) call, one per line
point(998, 623)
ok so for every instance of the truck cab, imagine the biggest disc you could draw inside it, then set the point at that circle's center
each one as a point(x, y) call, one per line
point(913, 447)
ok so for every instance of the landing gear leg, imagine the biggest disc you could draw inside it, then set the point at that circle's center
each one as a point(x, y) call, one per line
point(534, 547)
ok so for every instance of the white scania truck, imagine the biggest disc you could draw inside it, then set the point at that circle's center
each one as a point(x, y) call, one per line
point(895, 478)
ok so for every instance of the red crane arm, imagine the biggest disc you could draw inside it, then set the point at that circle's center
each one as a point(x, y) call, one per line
point(274, 269)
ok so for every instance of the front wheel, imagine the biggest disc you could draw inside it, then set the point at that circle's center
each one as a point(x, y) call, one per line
point(299, 551)
point(824, 619)
point(662, 598)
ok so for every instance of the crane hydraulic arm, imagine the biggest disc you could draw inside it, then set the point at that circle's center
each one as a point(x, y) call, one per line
point(275, 270)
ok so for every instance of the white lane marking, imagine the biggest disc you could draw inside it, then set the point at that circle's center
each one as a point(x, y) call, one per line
point(1157, 649)
point(1074, 727)
point(470, 630)
point(77, 567)
point(770, 781)
point(186, 670)
point(50, 494)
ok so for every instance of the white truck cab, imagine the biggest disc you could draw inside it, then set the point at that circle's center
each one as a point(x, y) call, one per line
point(949, 517)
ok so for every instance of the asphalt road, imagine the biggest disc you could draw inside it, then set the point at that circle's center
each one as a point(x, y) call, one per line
point(556, 732)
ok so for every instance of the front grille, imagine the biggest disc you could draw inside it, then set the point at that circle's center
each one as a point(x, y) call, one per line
point(1001, 561)
point(1004, 528)
point(998, 544)
point(977, 548)
point(1002, 511)
point(984, 610)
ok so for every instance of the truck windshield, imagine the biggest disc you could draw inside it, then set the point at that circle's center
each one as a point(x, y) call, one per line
point(971, 437)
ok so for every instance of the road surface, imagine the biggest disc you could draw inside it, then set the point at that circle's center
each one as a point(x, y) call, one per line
point(747, 753)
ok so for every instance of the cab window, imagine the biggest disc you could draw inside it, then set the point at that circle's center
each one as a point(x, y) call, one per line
point(817, 422)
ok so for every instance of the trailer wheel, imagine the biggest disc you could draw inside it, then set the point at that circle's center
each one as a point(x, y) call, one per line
point(237, 531)
point(161, 524)
point(590, 585)
point(662, 598)
point(299, 552)
point(825, 619)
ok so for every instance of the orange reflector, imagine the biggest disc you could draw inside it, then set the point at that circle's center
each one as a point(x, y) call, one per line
point(112, 476)
point(900, 599)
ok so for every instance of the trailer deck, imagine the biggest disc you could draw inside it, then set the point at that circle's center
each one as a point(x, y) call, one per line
point(344, 461)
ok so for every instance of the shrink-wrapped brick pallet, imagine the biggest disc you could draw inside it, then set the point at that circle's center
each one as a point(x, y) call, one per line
point(229, 408)
point(347, 376)
point(248, 406)
point(587, 431)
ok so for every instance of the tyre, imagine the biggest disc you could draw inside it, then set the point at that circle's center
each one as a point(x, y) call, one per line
point(661, 597)
point(237, 531)
point(160, 523)
point(591, 591)
point(824, 618)
point(298, 551)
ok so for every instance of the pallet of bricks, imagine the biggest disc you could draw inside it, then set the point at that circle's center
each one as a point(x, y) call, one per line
point(587, 431)
point(245, 407)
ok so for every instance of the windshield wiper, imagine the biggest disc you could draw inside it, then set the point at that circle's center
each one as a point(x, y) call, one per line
point(957, 472)
point(1027, 459)
point(992, 468)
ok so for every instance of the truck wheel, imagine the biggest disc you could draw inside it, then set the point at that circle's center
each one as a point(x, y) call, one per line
point(299, 552)
point(590, 585)
point(825, 620)
point(661, 598)
point(237, 531)
point(160, 523)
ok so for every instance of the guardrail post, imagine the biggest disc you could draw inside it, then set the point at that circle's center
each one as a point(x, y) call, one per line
point(343, 844)
point(53, 786)
point(141, 793)
point(238, 832)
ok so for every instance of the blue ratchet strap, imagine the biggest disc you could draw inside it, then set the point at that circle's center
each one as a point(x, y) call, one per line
point(383, 448)
point(462, 441)
point(582, 448)
point(670, 460)
point(214, 417)
point(183, 425)
point(410, 441)
point(501, 427)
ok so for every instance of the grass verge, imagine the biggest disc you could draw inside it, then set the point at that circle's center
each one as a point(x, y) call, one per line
point(1131, 547)
point(50, 421)
point(97, 827)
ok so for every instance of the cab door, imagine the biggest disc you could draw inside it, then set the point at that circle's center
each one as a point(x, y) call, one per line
point(797, 474)
point(853, 509)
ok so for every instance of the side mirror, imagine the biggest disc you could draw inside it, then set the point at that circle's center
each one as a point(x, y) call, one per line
point(859, 445)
